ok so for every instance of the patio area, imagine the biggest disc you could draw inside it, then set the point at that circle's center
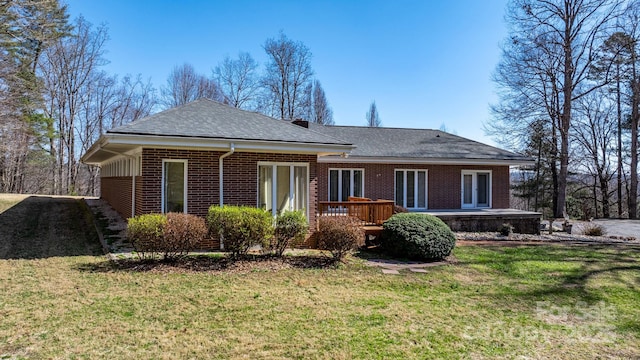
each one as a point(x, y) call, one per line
point(482, 220)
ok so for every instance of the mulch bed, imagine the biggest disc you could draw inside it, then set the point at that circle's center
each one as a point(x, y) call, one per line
point(203, 263)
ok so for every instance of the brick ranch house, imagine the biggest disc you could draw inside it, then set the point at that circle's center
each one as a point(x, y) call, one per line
point(190, 157)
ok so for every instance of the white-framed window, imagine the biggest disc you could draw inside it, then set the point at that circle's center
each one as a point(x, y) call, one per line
point(344, 183)
point(283, 186)
point(411, 188)
point(174, 186)
point(476, 188)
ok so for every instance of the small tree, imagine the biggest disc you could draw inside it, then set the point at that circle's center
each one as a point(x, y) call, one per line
point(373, 118)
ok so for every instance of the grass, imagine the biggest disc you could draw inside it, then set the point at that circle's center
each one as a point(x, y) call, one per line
point(545, 301)
point(60, 299)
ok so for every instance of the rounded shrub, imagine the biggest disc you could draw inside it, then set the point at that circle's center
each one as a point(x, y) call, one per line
point(290, 230)
point(339, 234)
point(240, 227)
point(182, 233)
point(145, 232)
point(417, 236)
point(171, 235)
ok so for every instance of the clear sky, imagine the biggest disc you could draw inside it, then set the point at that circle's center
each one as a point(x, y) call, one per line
point(426, 63)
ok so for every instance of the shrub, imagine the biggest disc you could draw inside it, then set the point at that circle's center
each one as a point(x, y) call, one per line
point(594, 230)
point(340, 235)
point(172, 235)
point(240, 227)
point(397, 209)
point(182, 233)
point(506, 229)
point(290, 230)
point(417, 236)
point(145, 232)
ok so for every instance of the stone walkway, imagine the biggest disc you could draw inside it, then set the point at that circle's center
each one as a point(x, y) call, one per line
point(393, 267)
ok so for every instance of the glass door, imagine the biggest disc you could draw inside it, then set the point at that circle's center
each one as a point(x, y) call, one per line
point(174, 191)
point(476, 189)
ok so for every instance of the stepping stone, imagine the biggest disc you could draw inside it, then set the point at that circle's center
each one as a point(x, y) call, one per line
point(417, 270)
point(390, 271)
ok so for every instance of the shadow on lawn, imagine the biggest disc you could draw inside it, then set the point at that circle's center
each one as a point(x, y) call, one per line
point(40, 227)
point(570, 282)
point(205, 263)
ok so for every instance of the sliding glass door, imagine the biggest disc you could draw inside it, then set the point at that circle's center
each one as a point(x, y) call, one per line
point(411, 189)
point(283, 186)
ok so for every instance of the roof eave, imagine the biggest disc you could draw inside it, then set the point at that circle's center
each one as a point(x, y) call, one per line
point(213, 144)
point(425, 161)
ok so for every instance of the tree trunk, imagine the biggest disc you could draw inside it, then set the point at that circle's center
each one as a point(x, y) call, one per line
point(633, 191)
point(619, 106)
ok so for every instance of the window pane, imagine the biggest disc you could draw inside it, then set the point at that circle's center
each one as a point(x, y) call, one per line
point(357, 183)
point(399, 188)
point(265, 188)
point(300, 188)
point(411, 180)
point(333, 185)
point(283, 188)
point(174, 187)
point(422, 189)
point(346, 185)
point(467, 189)
point(483, 189)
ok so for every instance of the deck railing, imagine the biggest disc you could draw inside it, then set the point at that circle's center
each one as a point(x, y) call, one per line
point(369, 212)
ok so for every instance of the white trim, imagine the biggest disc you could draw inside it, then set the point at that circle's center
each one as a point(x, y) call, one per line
point(422, 161)
point(162, 181)
point(351, 183)
point(474, 185)
point(196, 143)
point(416, 191)
point(274, 183)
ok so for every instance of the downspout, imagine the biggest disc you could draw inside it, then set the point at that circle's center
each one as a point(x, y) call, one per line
point(232, 149)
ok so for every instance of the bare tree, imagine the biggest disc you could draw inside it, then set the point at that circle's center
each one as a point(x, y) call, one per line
point(70, 65)
point(551, 47)
point(185, 85)
point(315, 105)
point(288, 72)
point(595, 138)
point(322, 112)
point(238, 80)
point(373, 117)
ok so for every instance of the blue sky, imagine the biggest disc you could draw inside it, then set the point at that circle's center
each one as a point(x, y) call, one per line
point(425, 63)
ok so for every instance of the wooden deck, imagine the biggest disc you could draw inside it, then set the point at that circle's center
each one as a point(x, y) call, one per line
point(371, 213)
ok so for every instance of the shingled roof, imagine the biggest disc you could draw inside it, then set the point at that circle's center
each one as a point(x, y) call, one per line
point(205, 118)
point(209, 125)
point(425, 144)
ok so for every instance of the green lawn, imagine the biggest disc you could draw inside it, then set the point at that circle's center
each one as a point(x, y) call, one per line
point(533, 302)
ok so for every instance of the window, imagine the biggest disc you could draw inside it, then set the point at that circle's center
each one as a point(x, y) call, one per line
point(174, 186)
point(476, 189)
point(411, 189)
point(283, 186)
point(344, 183)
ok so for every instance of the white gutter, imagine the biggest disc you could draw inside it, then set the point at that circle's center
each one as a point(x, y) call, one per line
point(232, 149)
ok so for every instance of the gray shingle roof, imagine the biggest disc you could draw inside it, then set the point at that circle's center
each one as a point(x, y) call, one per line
point(206, 118)
point(413, 143)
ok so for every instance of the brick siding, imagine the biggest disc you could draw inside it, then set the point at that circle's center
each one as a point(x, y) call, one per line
point(443, 182)
point(116, 191)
